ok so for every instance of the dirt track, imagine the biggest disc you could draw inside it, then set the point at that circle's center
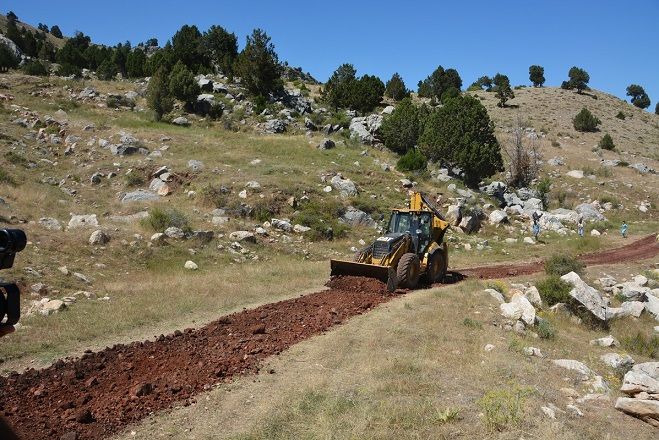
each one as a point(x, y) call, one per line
point(101, 393)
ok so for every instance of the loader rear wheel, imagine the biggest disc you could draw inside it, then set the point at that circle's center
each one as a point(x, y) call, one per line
point(437, 267)
point(408, 271)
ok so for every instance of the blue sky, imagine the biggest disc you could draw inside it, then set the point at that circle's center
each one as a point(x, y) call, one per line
point(617, 42)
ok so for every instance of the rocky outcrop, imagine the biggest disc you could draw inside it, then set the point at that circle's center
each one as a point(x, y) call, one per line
point(641, 383)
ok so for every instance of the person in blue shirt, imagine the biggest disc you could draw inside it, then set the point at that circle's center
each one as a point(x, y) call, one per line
point(623, 229)
point(580, 226)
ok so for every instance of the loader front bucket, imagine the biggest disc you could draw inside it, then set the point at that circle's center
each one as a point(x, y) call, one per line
point(385, 274)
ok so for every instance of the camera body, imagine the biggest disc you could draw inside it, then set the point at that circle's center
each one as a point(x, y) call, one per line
point(12, 241)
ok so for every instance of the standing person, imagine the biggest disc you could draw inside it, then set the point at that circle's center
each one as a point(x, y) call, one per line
point(623, 229)
point(536, 224)
point(580, 226)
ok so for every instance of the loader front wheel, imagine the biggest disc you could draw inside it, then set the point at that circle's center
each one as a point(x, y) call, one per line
point(408, 271)
point(437, 267)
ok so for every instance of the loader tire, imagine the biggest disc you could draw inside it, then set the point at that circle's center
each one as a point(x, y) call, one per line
point(437, 267)
point(408, 271)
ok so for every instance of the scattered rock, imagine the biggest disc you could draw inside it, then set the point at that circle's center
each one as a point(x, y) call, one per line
point(356, 217)
point(344, 185)
point(83, 221)
point(615, 361)
point(607, 341)
point(242, 236)
point(139, 196)
point(586, 295)
point(191, 265)
point(326, 144)
point(99, 238)
point(181, 121)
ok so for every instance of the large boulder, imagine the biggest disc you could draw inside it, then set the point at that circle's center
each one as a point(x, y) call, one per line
point(642, 384)
point(345, 186)
point(242, 236)
point(498, 217)
point(139, 196)
point(588, 296)
point(366, 129)
point(519, 307)
point(275, 126)
point(13, 48)
point(470, 223)
point(589, 212)
point(453, 215)
point(356, 217)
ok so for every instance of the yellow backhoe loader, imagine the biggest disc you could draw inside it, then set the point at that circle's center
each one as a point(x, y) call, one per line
point(413, 246)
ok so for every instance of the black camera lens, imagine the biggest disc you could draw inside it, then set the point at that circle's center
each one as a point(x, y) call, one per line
point(12, 240)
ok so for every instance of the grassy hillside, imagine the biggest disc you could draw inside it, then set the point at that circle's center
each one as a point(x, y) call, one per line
point(41, 179)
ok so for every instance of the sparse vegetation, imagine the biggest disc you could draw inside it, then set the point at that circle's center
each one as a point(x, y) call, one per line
point(642, 345)
point(562, 264)
point(554, 290)
point(472, 323)
point(621, 115)
point(503, 408)
point(160, 219)
point(545, 330)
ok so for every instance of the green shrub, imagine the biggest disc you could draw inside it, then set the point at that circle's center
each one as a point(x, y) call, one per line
point(562, 264)
point(621, 115)
point(116, 101)
point(212, 196)
point(35, 68)
point(133, 179)
point(160, 219)
point(6, 178)
point(606, 143)
point(16, 158)
point(413, 160)
point(642, 345)
point(497, 285)
point(605, 198)
point(471, 323)
point(264, 210)
point(585, 121)
point(545, 330)
point(319, 215)
point(554, 290)
point(504, 407)
point(69, 70)
point(182, 84)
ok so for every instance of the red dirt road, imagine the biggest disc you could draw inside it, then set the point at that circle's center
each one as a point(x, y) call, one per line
point(101, 393)
point(637, 250)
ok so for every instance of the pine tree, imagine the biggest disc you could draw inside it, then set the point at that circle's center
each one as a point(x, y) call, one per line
point(395, 88)
point(537, 75)
point(502, 89)
point(182, 84)
point(221, 47)
point(461, 133)
point(56, 32)
point(439, 82)
point(639, 98)
point(585, 121)
point(258, 65)
point(401, 129)
point(158, 97)
point(578, 79)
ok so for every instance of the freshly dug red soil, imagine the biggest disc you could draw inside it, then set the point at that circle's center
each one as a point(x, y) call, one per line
point(101, 393)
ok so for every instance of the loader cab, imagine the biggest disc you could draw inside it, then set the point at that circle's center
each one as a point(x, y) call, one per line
point(417, 224)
